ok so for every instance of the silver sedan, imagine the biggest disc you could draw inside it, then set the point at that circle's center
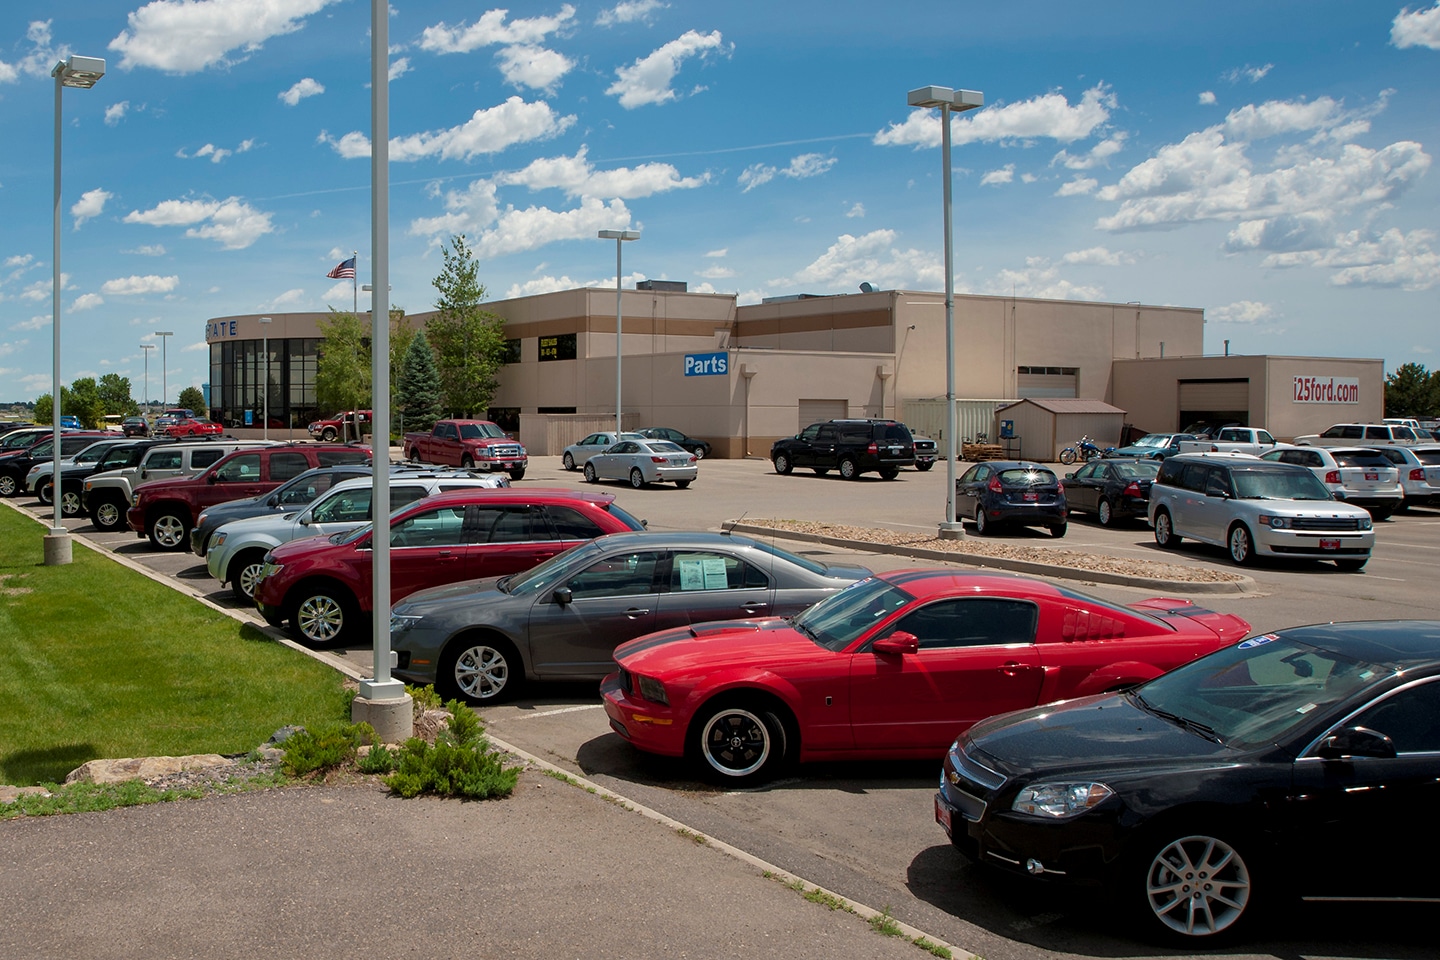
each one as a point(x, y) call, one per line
point(578, 454)
point(643, 461)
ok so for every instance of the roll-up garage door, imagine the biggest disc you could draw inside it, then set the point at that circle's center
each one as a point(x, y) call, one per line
point(813, 411)
point(1215, 394)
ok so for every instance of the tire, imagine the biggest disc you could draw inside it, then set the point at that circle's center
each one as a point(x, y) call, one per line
point(568, 462)
point(518, 473)
point(889, 473)
point(849, 469)
point(479, 670)
point(590, 475)
point(45, 493)
point(414, 455)
point(109, 514)
point(328, 434)
point(1067, 456)
point(321, 615)
point(1352, 566)
point(8, 485)
point(982, 525)
point(682, 484)
point(467, 462)
point(923, 467)
point(782, 464)
point(168, 531)
point(244, 569)
point(1193, 886)
point(699, 453)
point(739, 742)
point(1165, 535)
point(1240, 545)
point(1058, 530)
point(1104, 513)
point(69, 503)
point(637, 479)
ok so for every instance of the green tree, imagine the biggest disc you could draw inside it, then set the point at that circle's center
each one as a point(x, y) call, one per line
point(342, 375)
point(417, 395)
point(81, 399)
point(468, 341)
point(115, 394)
point(1411, 391)
point(192, 398)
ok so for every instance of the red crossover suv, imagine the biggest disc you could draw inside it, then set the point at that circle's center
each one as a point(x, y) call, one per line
point(322, 585)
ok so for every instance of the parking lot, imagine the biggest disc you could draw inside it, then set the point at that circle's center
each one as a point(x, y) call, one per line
point(866, 830)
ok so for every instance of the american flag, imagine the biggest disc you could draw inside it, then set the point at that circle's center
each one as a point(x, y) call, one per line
point(344, 270)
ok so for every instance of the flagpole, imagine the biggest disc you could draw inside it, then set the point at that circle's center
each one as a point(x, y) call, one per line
point(355, 284)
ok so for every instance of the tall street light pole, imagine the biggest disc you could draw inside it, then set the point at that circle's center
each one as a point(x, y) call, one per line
point(947, 100)
point(147, 347)
point(265, 384)
point(82, 74)
point(619, 236)
point(164, 336)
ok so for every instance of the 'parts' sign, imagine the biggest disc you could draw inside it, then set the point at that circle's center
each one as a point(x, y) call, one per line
point(1327, 390)
point(706, 364)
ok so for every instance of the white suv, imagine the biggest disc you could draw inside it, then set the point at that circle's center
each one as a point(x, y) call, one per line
point(1254, 507)
point(1359, 475)
point(1419, 468)
point(1360, 434)
point(237, 549)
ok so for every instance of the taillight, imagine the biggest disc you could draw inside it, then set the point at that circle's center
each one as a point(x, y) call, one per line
point(1418, 473)
point(1332, 476)
point(654, 459)
point(872, 448)
point(1059, 488)
point(995, 485)
point(1132, 489)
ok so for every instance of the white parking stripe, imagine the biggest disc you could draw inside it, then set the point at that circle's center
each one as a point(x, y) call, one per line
point(555, 713)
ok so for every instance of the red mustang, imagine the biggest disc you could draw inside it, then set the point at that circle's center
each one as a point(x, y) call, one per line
point(193, 428)
point(892, 667)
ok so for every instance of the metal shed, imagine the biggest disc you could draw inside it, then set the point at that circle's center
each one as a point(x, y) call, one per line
point(1043, 426)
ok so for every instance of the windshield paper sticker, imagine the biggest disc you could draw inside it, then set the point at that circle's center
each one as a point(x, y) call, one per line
point(1257, 641)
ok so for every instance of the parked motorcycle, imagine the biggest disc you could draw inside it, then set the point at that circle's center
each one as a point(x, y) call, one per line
point(1084, 450)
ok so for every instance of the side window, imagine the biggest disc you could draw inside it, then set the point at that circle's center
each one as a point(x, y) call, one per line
point(972, 622)
point(971, 475)
point(1194, 477)
point(1263, 436)
point(519, 523)
point(302, 493)
point(1171, 473)
point(593, 440)
point(827, 432)
point(114, 458)
point(690, 572)
point(1351, 432)
point(200, 459)
point(1377, 433)
point(1088, 471)
point(332, 457)
point(441, 527)
point(571, 524)
point(627, 574)
point(287, 466)
point(1334, 433)
point(1229, 435)
point(242, 469)
point(446, 431)
point(810, 432)
point(348, 506)
point(406, 494)
point(1217, 482)
point(164, 460)
point(1410, 717)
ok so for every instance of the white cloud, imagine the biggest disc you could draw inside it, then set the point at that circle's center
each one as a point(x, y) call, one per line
point(290, 298)
point(490, 30)
point(755, 175)
point(1241, 311)
point(648, 79)
point(526, 65)
point(90, 204)
point(1418, 29)
point(1247, 72)
point(216, 154)
point(399, 67)
point(801, 167)
point(578, 177)
point(1078, 187)
point(1041, 279)
point(517, 230)
point(345, 294)
point(1096, 156)
point(1099, 257)
point(150, 283)
point(300, 89)
point(1207, 98)
point(186, 36)
point(1363, 258)
point(195, 347)
point(86, 301)
point(1005, 174)
point(857, 211)
point(1049, 116)
point(717, 272)
point(873, 258)
point(116, 112)
point(41, 58)
point(352, 146)
point(1278, 117)
point(546, 284)
point(232, 222)
point(632, 11)
point(38, 322)
point(148, 250)
point(487, 131)
point(467, 210)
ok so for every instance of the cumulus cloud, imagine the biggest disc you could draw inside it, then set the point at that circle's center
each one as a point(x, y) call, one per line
point(487, 131)
point(632, 11)
point(872, 257)
point(802, 167)
point(717, 272)
point(856, 211)
point(116, 112)
point(517, 230)
point(41, 57)
point(1364, 258)
point(1420, 28)
point(648, 79)
point(86, 301)
point(40, 289)
point(1094, 157)
point(399, 67)
point(1005, 174)
point(302, 88)
point(527, 65)
point(90, 204)
point(1207, 98)
point(289, 299)
point(576, 176)
point(1049, 116)
point(232, 222)
point(491, 30)
point(1241, 311)
point(1100, 257)
point(1078, 187)
point(132, 285)
point(148, 250)
point(545, 284)
point(186, 36)
point(1040, 278)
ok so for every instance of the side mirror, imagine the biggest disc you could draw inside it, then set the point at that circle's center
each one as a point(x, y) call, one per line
point(1357, 742)
point(1070, 475)
point(563, 595)
point(212, 478)
point(274, 501)
point(897, 642)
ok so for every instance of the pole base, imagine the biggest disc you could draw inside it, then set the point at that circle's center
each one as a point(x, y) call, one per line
point(392, 718)
point(952, 531)
point(57, 548)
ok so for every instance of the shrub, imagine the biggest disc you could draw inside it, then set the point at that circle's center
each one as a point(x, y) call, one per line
point(325, 748)
point(460, 763)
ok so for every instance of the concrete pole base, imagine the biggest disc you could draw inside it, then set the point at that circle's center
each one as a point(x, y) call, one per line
point(952, 531)
point(393, 719)
point(57, 549)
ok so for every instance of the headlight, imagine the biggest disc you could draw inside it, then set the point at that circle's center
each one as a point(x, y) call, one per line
point(653, 690)
point(219, 539)
point(399, 623)
point(270, 569)
point(1276, 523)
point(201, 521)
point(1365, 523)
point(135, 499)
point(1060, 800)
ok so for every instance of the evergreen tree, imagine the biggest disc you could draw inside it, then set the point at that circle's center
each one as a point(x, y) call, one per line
point(192, 398)
point(417, 398)
point(468, 341)
point(342, 375)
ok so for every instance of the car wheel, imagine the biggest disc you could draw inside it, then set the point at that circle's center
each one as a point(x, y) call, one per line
point(982, 523)
point(415, 455)
point(518, 473)
point(1194, 886)
point(69, 504)
point(44, 493)
point(739, 742)
point(244, 571)
point(479, 670)
point(1352, 566)
point(1058, 530)
point(699, 453)
point(1105, 513)
point(849, 469)
point(682, 484)
point(8, 486)
point(568, 462)
point(637, 479)
point(889, 473)
point(1241, 545)
point(782, 464)
point(328, 434)
point(108, 514)
point(590, 475)
point(320, 615)
point(168, 532)
point(922, 467)
point(1165, 535)
point(468, 462)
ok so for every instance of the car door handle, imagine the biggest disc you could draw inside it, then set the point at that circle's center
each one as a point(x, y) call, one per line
point(1013, 669)
point(635, 612)
point(754, 606)
point(446, 556)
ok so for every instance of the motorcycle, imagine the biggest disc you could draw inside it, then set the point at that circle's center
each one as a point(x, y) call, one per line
point(1084, 450)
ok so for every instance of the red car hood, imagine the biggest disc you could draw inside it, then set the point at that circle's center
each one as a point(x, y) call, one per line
point(736, 643)
point(1183, 613)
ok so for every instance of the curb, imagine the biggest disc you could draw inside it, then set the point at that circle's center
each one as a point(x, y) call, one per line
point(1241, 585)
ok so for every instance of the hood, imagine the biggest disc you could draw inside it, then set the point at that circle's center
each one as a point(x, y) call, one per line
point(764, 643)
point(305, 545)
point(263, 523)
point(451, 595)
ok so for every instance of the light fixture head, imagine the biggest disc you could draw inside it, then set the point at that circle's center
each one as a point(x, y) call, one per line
point(957, 100)
point(619, 234)
point(264, 319)
point(79, 71)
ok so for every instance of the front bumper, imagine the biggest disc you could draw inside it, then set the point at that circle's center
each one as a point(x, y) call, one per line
point(651, 727)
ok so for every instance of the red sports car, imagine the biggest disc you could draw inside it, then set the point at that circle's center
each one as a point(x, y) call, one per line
point(193, 428)
point(895, 666)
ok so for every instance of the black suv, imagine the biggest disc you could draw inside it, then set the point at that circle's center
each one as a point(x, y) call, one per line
point(852, 447)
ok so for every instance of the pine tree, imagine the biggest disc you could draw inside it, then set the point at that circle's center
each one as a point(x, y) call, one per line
point(417, 398)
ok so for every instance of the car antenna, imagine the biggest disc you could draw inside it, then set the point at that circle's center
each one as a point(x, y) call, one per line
point(729, 527)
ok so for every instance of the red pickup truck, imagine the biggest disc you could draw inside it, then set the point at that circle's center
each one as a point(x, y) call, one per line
point(346, 424)
point(472, 444)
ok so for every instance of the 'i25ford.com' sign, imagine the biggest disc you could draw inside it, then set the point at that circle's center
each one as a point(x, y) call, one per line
point(1327, 390)
point(706, 364)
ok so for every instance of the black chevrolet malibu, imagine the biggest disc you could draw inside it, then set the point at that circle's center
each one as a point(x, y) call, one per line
point(1304, 762)
point(1011, 493)
point(1111, 490)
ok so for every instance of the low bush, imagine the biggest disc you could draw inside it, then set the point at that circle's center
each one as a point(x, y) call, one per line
point(459, 764)
point(325, 748)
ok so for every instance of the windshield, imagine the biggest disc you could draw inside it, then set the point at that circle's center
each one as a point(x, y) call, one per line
point(476, 431)
point(539, 578)
point(1279, 485)
point(838, 620)
point(1153, 440)
point(1259, 690)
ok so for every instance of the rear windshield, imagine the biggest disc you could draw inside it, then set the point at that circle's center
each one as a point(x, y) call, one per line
point(1362, 458)
point(897, 431)
point(614, 510)
point(1138, 470)
point(1028, 477)
point(1431, 457)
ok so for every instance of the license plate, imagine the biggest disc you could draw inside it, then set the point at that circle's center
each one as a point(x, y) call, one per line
point(1329, 544)
point(1372, 476)
point(1032, 497)
point(942, 815)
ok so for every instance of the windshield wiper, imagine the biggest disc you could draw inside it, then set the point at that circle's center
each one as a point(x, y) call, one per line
point(1194, 726)
point(795, 622)
point(502, 583)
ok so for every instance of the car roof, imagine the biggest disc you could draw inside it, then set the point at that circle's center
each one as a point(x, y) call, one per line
point(1016, 465)
point(925, 582)
point(533, 494)
point(1402, 643)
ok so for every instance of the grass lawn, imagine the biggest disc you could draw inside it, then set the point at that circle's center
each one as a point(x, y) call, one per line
point(99, 661)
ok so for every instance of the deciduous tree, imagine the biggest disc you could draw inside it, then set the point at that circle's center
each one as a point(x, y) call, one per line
point(192, 398)
point(468, 341)
point(342, 375)
point(1411, 391)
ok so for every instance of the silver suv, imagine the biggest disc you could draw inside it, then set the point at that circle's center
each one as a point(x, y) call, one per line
point(1254, 507)
point(1360, 435)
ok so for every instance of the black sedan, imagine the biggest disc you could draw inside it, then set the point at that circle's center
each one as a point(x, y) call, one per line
point(695, 445)
point(1011, 493)
point(1304, 762)
point(562, 620)
point(1111, 490)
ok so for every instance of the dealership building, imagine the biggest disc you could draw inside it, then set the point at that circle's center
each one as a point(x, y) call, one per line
point(1028, 372)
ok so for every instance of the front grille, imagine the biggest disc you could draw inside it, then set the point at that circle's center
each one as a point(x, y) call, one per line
point(506, 451)
point(625, 682)
point(1325, 523)
point(970, 782)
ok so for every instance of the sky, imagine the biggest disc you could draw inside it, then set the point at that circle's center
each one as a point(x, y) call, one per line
point(1269, 162)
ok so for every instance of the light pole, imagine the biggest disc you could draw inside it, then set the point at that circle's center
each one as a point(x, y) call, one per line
point(147, 347)
point(619, 236)
point(265, 384)
point(948, 100)
point(164, 366)
point(81, 73)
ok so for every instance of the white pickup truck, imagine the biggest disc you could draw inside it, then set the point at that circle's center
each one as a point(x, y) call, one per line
point(1251, 440)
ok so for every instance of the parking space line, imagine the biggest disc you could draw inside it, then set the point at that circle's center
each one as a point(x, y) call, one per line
point(557, 712)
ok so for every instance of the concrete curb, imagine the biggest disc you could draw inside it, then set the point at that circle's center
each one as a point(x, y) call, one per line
point(1242, 585)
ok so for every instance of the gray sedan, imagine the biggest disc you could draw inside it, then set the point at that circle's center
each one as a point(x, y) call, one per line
point(644, 461)
point(481, 639)
point(579, 453)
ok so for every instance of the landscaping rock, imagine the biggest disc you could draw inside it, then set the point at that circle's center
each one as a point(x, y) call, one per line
point(9, 794)
point(142, 768)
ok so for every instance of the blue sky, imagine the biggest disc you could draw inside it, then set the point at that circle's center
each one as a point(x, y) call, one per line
point(1269, 162)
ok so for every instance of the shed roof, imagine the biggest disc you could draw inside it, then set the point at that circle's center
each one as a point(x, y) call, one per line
point(1067, 405)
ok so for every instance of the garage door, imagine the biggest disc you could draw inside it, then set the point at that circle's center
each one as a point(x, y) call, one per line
point(813, 411)
point(1214, 394)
